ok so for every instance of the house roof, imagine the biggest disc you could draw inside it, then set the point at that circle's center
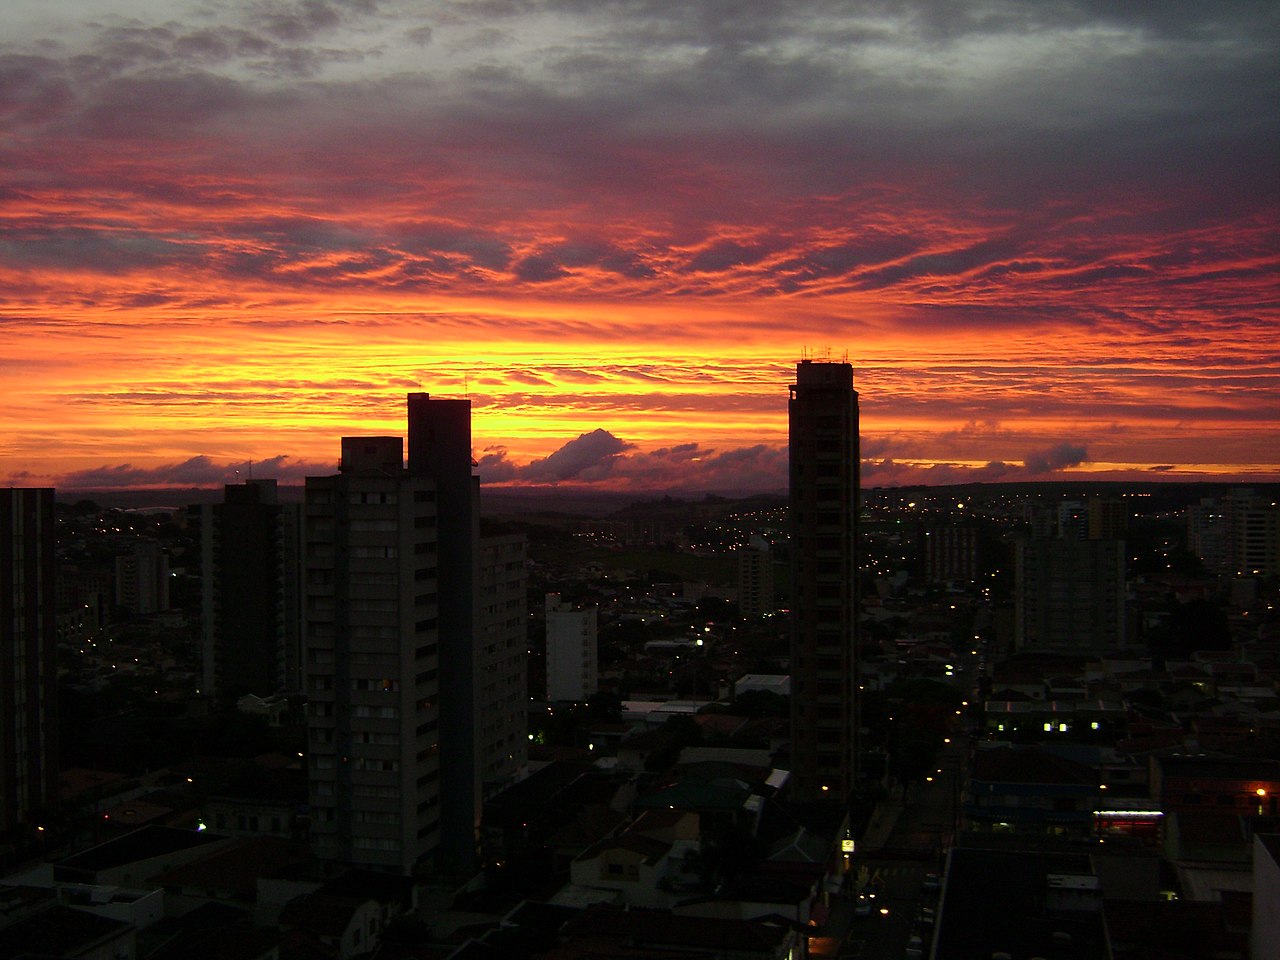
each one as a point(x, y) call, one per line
point(803, 846)
point(235, 868)
point(710, 795)
point(212, 931)
point(364, 885)
point(595, 822)
point(1271, 843)
point(324, 914)
point(648, 849)
point(58, 932)
point(141, 844)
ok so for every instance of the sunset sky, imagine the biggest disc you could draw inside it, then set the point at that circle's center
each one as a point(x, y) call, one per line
point(1047, 235)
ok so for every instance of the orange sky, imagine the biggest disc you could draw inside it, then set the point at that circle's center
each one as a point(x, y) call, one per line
point(1048, 246)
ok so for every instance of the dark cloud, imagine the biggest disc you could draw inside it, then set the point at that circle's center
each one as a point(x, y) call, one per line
point(726, 254)
point(602, 459)
point(589, 457)
point(1057, 457)
point(194, 471)
point(492, 466)
point(106, 251)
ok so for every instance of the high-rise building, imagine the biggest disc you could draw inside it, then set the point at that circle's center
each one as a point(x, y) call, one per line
point(373, 659)
point(142, 579)
point(573, 669)
point(250, 557)
point(28, 666)
point(1069, 595)
point(755, 579)
point(1108, 518)
point(1258, 541)
point(952, 553)
point(824, 475)
point(415, 648)
point(1237, 534)
point(503, 644)
point(440, 452)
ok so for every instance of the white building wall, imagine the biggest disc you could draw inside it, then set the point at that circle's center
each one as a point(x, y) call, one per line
point(1264, 942)
point(573, 671)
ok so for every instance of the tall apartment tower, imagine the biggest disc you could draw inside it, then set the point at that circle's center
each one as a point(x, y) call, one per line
point(755, 579)
point(440, 452)
point(28, 667)
point(142, 579)
point(502, 722)
point(573, 665)
point(250, 557)
point(952, 552)
point(373, 660)
point(824, 474)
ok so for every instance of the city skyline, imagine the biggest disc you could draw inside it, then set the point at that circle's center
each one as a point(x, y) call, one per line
point(1045, 237)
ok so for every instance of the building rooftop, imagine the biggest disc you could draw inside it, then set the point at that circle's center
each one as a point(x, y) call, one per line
point(710, 795)
point(142, 844)
point(212, 931)
point(1271, 843)
point(235, 868)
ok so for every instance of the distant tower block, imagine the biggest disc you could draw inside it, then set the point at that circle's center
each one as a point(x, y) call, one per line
point(572, 656)
point(755, 579)
point(1069, 595)
point(824, 474)
point(250, 555)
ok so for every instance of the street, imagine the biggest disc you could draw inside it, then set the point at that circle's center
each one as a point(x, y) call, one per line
point(905, 842)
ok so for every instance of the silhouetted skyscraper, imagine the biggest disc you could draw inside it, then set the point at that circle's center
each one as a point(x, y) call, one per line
point(440, 450)
point(373, 660)
point(824, 475)
point(399, 665)
point(28, 666)
point(250, 556)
